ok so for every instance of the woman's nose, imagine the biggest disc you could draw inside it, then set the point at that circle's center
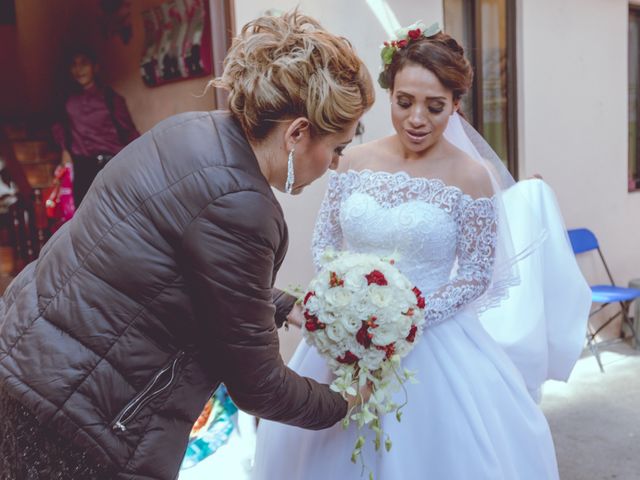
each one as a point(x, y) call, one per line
point(417, 118)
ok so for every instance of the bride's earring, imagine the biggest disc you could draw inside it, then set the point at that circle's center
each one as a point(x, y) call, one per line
point(291, 177)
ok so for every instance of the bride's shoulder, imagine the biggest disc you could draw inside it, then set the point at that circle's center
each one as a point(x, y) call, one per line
point(365, 155)
point(471, 176)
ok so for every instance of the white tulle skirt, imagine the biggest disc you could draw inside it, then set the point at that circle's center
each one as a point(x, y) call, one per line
point(472, 416)
point(468, 417)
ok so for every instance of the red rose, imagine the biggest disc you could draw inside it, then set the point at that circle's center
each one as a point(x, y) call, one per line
point(334, 280)
point(363, 336)
point(414, 34)
point(312, 324)
point(419, 297)
point(307, 297)
point(388, 349)
point(402, 43)
point(376, 277)
point(412, 334)
point(348, 358)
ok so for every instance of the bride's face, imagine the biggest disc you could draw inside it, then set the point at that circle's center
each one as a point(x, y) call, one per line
point(420, 108)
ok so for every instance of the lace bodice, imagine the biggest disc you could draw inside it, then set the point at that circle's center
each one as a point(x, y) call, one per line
point(441, 238)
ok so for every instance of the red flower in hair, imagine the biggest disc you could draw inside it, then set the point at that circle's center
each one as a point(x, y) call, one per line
point(415, 34)
point(348, 358)
point(377, 277)
point(402, 43)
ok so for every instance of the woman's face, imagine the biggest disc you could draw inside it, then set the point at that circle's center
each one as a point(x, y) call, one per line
point(420, 108)
point(314, 155)
point(83, 70)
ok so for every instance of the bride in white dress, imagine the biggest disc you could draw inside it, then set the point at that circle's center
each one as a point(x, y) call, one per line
point(437, 211)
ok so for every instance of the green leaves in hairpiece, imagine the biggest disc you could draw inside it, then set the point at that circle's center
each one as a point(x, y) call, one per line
point(404, 36)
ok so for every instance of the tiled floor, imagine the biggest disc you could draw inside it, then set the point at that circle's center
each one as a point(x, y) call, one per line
point(595, 417)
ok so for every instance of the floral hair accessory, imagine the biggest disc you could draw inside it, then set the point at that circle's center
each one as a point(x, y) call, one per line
point(404, 36)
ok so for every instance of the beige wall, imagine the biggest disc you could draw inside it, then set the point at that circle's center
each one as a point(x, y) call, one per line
point(356, 21)
point(573, 113)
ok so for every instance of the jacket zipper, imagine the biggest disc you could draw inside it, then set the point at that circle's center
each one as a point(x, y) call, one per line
point(151, 391)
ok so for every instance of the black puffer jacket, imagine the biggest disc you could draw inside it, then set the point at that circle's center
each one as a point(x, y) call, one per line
point(156, 291)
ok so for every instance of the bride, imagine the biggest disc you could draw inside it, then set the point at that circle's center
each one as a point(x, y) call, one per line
point(435, 197)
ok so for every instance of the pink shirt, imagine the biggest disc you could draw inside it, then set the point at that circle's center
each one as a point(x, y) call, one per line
point(91, 124)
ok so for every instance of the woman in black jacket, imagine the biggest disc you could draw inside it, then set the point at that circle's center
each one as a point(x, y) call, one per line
point(161, 286)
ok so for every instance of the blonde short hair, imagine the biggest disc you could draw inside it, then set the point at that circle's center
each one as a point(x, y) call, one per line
point(288, 66)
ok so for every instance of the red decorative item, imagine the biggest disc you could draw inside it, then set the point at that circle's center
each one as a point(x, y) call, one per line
point(376, 277)
point(60, 206)
point(415, 34)
point(348, 358)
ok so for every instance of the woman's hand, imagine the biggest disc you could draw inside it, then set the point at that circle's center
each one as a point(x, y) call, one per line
point(295, 316)
point(365, 393)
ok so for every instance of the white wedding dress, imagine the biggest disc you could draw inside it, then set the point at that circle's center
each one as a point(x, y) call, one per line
point(470, 415)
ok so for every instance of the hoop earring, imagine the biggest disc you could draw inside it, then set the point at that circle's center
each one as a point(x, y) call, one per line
point(291, 177)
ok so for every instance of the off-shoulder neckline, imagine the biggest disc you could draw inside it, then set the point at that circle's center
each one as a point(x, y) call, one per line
point(406, 176)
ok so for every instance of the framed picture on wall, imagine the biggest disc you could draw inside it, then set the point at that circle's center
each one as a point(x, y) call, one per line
point(177, 42)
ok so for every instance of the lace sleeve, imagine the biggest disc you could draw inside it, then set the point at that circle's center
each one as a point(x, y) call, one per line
point(327, 232)
point(476, 244)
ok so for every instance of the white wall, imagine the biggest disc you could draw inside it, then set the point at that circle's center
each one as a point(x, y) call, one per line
point(356, 21)
point(573, 113)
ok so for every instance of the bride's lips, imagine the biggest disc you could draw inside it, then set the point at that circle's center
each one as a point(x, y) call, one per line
point(416, 136)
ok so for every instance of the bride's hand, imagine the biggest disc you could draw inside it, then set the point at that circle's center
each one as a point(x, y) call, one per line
point(295, 316)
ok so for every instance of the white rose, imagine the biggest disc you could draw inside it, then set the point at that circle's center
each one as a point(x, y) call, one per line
point(336, 331)
point(312, 305)
point(380, 296)
point(351, 323)
point(403, 325)
point(355, 279)
point(337, 297)
point(373, 357)
point(385, 334)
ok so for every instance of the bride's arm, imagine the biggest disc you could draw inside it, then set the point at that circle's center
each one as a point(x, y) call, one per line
point(327, 232)
point(477, 236)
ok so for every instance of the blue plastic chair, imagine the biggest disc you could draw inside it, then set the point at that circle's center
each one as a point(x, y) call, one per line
point(582, 241)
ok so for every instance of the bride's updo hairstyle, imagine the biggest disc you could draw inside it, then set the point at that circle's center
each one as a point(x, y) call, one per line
point(441, 54)
point(284, 67)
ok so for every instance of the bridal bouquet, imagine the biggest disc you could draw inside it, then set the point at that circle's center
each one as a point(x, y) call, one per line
point(364, 316)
